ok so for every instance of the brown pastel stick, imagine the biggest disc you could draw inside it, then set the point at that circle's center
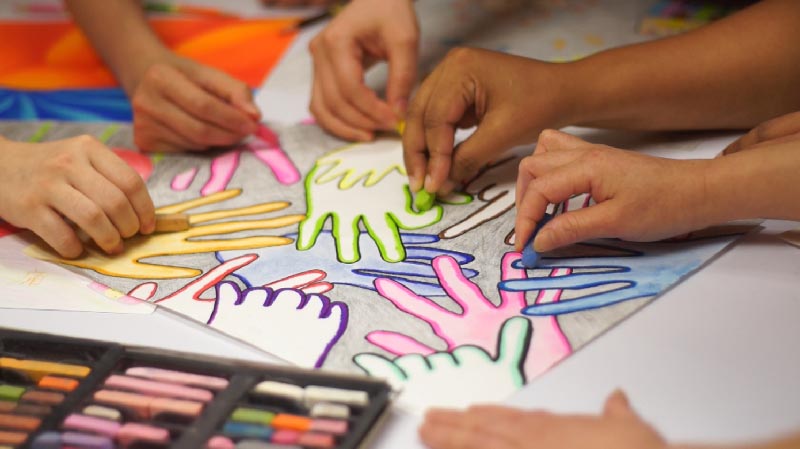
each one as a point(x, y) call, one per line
point(172, 222)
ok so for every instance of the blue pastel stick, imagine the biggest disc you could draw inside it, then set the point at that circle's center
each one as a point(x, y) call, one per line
point(529, 256)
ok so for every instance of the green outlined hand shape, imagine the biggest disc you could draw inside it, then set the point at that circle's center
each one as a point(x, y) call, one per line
point(456, 379)
point(362, 184)
point(130, 263)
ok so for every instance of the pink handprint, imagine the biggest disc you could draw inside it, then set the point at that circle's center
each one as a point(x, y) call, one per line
point(479, 320)
point(265, 146)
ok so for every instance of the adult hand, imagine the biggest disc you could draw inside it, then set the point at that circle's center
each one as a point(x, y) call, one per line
point(638, 197)
point(505, 428)
point(510, 99)
point(179, 104)
point(779, 129)
point(365, 32)
point(44, 186)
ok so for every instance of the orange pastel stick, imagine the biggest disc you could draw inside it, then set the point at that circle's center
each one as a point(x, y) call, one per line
point(291, 422)
point(12, 438)
point(58, 383)
point(19, 422)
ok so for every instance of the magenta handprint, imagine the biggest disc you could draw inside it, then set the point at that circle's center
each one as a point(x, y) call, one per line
point(479, 319)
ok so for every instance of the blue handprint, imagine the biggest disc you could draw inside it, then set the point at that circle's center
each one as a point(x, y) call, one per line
point(415, 272)
point(639, 270)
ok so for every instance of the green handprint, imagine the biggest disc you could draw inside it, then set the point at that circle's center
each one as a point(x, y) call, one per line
point(129, 264)
point(372, 190)
point(459, 378)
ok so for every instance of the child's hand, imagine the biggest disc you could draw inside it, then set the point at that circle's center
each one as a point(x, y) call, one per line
point(365, 32)
point(639, 197)
point(510, 98)
point(43, 186)
point(497, 427)
point(780, 129)
point(179, 104)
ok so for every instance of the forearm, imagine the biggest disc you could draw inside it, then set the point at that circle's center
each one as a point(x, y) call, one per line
point(734, 73)
point(128, 45)
point(758, 183)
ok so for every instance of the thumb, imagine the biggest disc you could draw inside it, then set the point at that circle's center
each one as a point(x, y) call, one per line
point(593, 222)
point(617, 405)
point(402, 55)
point(230, 89)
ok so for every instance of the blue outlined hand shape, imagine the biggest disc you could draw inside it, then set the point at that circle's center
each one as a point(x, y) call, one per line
point(627, 271)
point(415, 272)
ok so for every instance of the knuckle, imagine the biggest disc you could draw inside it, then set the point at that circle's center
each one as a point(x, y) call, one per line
point(464, 167)
point(130, 183)
point(93, 216)
point(460, 55)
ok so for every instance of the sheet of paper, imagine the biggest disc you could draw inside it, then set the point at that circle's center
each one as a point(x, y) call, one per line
point(792, 237)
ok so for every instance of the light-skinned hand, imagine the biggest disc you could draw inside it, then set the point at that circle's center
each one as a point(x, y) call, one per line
point(498, 427)
point(364, 33)
point(638, 197)
point(45, 186)
point(179, 104)
point(509, 106)
point(780, 129)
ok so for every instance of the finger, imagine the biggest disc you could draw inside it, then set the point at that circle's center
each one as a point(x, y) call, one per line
point(598, 221)
point(150, 135)
point(415, 149)
point(407, 301)
point(765, 143)
point(772, 129)
point(90, 217)
point(398, 344)
point(464, 292)
point(327, 119)
point(111, 201)
point(513, 342)
point(230, 89)
point(557, 185)
point(56, 232)
point(132, 187)
point(402, 55)
point(617, 405)
point(200, 134)
point(336, 99)
point(349, 75)
point(552, 140)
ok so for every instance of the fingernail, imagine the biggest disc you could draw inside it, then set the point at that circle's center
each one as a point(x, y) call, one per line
point(119, 249)
point(414, 183)
point(148, 228)
point(399, 107)
point(429, 183)
point(543, 241)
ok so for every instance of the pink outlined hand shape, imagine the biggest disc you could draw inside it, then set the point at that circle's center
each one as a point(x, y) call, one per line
point(187, 301)
point(265, 147)
point(479, 320)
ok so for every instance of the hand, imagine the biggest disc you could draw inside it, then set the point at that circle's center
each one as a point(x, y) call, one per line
point(45, 186)
point(496, 187)
point(509, 98)
point(292, 325)
point(179, 104)
point(505, 428)
point(667, 196)
point(780, 129)
point(610, 272)
point(479, 319)
point(414, 272)
point(223, 167)
point(131, 265)
point(362, 183)
point(365, 32)
point(441, 379)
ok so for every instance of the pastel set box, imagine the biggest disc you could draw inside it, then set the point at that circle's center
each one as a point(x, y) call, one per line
point(64, 393)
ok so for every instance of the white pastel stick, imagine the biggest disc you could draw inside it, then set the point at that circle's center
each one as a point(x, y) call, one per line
point(315, 395)
point(98, 411)
point(328, 410)
point(280, 390)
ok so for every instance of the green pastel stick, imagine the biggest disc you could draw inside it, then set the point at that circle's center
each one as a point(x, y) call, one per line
point(424, 200)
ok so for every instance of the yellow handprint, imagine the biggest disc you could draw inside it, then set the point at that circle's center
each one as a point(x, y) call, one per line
point(129, 264)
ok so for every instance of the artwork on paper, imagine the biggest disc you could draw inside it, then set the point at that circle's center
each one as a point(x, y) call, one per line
point(310, 248)
point(48, 70)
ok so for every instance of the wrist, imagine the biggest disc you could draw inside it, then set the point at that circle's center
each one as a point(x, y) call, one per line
point(138, 59)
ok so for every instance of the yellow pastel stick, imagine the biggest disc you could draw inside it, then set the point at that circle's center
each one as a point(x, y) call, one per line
point(37, 369)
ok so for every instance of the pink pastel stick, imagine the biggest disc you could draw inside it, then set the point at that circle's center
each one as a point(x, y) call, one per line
point(154, 388)
point(319, 440)
point(132, 432)
point(220, 442)
point(178, 377)
point(83, 423)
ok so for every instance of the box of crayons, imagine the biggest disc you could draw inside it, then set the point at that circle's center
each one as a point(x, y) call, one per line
point(64, 393)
